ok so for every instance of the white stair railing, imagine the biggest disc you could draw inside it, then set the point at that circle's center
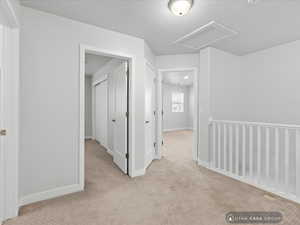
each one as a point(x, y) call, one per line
point(265, 155)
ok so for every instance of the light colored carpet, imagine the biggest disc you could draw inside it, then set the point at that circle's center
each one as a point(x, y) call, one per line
point(173, 192)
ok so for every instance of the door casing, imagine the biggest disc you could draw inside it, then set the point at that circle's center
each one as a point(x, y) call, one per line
point(83, 48)
point(196, 119)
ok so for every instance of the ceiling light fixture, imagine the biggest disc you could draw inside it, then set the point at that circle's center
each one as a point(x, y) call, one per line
point(180, 7)
point(186, 77)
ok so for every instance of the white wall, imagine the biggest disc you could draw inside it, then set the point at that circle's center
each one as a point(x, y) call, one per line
point(225, 85)
point(261, 87)
point(50, 97)
point(150, 55)
point(88, 107)
point(175, 120)
point(204, 103)
point(270, 82)
point(191, 103)
point(219, 92)
point(177, 61)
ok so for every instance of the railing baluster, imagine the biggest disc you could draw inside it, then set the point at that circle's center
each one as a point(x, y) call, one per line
point(214, 163)
point(230, 149)
point(219, 146)
point(277, 157)
point(298, 163)
point(225, 147)
point(286, 157)
point(251, 152)
point(267, 154)
point(258, 153)
point(244, 150)
point(237, 169)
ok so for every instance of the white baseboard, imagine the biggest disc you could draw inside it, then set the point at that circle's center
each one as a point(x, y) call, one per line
point(53, 193)
point(138, 173)
point(177, 129)
point(109, 151)
point(89, 137)
point(249, 182)
point(203, 163)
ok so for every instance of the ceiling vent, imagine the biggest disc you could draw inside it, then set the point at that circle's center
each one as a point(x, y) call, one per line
point(206, 35)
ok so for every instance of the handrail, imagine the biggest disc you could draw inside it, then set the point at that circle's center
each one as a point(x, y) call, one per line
point(291, 126)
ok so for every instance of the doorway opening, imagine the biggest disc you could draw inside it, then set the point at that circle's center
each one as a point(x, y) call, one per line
point(178, 125)
point(105, 123)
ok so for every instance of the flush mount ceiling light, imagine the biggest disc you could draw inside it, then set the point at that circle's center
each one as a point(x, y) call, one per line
point(180, 7)
point(186, 77)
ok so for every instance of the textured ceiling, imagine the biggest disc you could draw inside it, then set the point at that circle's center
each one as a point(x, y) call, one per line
point(262, 25)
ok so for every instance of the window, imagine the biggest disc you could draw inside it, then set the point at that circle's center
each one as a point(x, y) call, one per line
point(177, 102)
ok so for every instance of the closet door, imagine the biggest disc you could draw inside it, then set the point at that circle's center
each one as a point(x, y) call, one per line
point(101, 108)
point(2, 199)
point(111, 111)
point(150, 117)
point(120, 118)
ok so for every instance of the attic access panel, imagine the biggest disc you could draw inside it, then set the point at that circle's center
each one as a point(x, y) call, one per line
point(205, 36)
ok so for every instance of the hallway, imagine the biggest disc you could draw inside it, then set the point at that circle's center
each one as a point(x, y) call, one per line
point(173, 192)
point(178, 147)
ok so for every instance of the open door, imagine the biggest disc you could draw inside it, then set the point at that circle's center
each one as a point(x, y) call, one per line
point(120, 117)
point(150, 102)
point(1, 127)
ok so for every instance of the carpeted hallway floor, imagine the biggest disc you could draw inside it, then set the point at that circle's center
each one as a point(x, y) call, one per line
point(175, 191)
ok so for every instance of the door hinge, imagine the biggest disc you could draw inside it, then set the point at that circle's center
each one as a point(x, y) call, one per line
point(162, 142)
point(127, 114)
point(162, 112)
point(154, 144)
point(3, 132)
point(127, 156)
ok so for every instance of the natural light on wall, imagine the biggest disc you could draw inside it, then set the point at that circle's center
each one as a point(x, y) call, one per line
point(180, 7)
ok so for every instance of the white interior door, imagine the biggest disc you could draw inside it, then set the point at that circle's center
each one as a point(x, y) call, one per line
point(101, 108)
point(1, 127)
point(150, 102)
point(111, 111)
point(120, 120)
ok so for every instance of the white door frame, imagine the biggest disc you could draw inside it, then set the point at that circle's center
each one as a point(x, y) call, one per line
point(196, 119)
point(9, 197)
point(120, 55)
